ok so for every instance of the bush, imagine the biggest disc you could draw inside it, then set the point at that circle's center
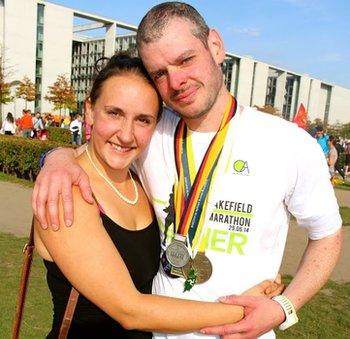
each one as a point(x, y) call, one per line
point(61, 135)
point(20, 156)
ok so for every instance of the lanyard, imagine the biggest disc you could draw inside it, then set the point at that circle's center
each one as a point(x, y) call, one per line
point(191, 191)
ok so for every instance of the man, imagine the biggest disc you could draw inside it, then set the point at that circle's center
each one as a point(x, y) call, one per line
point(26, 123)
point(76, 128)
point(239, 201)
point(322, 140)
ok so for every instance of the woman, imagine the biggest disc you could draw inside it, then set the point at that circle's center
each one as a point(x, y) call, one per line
point(112, 251)
point(8, 125)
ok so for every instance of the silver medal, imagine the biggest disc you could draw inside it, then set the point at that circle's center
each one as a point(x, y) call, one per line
point(177, 253)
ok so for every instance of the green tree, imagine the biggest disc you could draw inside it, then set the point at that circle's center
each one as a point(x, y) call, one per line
point(26, 90)
point(5, 92)
point(61, 95)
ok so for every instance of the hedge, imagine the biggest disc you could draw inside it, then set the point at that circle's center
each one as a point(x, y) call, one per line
point(20, 156)
point(61, 135)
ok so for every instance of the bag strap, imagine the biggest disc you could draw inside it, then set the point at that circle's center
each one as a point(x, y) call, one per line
point(68, 313)
point(23, 285)
point(23, 288)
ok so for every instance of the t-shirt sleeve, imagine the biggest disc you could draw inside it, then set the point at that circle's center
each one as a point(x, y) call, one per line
point(311, 197)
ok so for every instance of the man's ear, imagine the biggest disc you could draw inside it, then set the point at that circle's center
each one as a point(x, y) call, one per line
point(216, 46)
point(89, 114)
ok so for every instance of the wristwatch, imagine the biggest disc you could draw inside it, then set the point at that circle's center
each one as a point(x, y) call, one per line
point(289, 311)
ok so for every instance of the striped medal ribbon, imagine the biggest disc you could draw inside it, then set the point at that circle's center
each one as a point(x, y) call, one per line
point(191, 193)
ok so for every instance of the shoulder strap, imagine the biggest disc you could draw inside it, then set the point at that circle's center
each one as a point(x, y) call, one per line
point(23, 288)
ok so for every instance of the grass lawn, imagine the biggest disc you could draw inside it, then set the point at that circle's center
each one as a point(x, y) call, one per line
point(14, 179)
point(326, 316)
point(345, 214)
point(38, 310)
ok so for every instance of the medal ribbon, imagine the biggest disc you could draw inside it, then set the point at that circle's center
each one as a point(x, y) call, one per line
point(191, 191)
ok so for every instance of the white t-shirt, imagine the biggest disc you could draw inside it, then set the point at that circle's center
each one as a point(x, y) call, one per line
point(268, 169)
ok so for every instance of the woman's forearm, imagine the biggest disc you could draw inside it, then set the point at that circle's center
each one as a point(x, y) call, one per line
point(170, 315)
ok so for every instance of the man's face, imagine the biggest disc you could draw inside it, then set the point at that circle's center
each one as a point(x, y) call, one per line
point(186, 73)
point(319, 134)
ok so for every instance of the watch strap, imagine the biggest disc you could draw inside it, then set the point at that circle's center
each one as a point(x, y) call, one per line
point(289, 311)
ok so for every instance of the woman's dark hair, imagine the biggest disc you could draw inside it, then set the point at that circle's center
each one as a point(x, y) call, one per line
point(119, 64)
point(10, 118)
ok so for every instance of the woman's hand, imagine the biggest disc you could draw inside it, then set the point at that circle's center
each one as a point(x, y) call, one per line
point(268, 288)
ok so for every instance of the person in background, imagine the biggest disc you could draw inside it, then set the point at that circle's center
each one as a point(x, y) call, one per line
point(347, 158)
point(76, 130)
point(38, 126)
point(322, 140)
point(340, 149)
point(26, 123)
point(332, 156)
point(8, 125)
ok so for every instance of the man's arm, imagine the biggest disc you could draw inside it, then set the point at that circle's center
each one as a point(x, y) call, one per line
point(57, 176)
point(263, 314)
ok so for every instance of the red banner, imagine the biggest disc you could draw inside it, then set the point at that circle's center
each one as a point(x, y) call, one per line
point(301, 117)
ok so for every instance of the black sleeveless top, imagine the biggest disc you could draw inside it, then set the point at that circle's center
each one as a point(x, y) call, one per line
point(140, 251)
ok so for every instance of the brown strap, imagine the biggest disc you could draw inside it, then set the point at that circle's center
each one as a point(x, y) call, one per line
point(23, 288)
point(68, 314)
point(23, 285)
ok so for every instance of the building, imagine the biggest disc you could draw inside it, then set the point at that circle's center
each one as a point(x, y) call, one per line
point(60, 40)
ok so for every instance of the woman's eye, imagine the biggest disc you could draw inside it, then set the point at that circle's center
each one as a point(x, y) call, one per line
point(145, 121)
point(113, 113)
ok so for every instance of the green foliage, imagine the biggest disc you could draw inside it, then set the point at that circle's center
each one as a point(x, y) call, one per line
point(19, 156)
point(61, 135)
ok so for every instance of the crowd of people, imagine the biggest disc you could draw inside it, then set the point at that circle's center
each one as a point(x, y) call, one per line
point(35, 125)
point(333, 147)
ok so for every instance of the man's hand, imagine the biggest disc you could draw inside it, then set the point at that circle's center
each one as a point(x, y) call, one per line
point(59, 173)
point(261, 314)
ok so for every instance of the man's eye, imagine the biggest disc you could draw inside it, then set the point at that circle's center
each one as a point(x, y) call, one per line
point(187, 60)
point(158, 75)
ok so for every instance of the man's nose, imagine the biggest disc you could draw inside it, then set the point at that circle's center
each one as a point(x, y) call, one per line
point(176, 77)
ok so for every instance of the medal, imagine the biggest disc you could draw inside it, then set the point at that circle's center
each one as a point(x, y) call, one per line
point(177, 252)
point(190, 200)
point(169, 270)
point(202, 267)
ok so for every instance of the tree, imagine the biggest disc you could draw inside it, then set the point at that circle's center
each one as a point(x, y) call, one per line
point(26, 90)
point(5, 92)
point(61, 95)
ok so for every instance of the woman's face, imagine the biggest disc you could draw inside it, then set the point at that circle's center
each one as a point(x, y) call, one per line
point(124, 117)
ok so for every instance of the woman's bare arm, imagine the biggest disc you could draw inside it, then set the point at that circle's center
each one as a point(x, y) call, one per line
point(90, 261)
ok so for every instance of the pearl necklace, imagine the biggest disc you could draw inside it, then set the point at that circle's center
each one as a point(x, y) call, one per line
point(119, 194)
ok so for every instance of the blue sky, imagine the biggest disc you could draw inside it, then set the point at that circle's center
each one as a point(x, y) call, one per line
point(304, 36)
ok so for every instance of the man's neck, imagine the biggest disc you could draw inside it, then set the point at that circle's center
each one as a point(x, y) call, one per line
point(211, 121)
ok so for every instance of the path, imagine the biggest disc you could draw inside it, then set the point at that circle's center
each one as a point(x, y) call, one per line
point(16, 217)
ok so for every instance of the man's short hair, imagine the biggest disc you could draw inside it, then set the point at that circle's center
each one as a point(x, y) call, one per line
point(152, 25)
point(319, 129)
